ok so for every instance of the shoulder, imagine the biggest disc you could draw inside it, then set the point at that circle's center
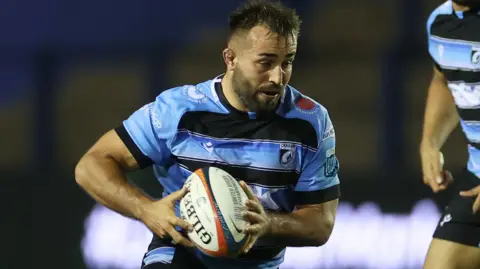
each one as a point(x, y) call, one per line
point(189, 98)
point(444, 9)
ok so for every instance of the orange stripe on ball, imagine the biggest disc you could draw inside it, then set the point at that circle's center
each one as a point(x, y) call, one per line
point(222, 244)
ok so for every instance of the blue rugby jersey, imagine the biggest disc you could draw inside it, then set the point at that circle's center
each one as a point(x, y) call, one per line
point(454, 45)
point(287, 158)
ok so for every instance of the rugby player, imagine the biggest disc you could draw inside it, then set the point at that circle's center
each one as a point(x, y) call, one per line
point(248, 121)
point(453, 97)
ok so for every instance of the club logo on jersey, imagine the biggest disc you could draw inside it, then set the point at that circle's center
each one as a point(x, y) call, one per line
point(150, 112)
point(331, 164)
point(194, 95)
point(476, 55)
point(306, 106)
point(329, 133)
point(287, 155)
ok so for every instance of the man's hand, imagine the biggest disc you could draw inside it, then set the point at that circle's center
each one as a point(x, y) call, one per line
point(472, 193)
point(432, 167)
point(258, 222)
point(160, 218)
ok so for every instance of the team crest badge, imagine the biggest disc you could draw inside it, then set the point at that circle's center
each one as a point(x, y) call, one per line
point(331, 164)
point(194, 95)
point(287, 155)
point(476, 55)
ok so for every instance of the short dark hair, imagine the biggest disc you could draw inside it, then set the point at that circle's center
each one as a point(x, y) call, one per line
point(279, 18)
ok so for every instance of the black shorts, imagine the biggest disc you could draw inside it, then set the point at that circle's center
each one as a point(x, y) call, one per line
point(168, 256)
point(162, 254)
point(458, 224)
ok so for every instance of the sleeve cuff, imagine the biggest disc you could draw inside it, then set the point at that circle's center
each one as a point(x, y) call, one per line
point(317, 197)
point(142, 160)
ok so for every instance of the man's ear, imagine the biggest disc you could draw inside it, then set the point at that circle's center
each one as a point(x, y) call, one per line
point(230, 59)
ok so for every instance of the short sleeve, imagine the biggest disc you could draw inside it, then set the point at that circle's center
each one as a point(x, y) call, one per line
point(148, 131)
point(319, 182)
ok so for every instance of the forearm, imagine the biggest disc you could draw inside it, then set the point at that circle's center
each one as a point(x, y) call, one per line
point(104, 180)
point(441, 116)
point(292, 229)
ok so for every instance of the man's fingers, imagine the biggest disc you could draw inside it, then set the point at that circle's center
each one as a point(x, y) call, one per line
point(250, 243)
point(476, 205)
point(174, 221)
point(177, 237)
point(160, 232)
point(174, 196)
point(247, 190)
point(470, 193)
point(252, 217)
point(433, 185)
point(253, 229)
point(254, 206)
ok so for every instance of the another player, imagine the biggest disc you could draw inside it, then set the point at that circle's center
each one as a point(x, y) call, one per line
point(249, 122)
point(453, 97)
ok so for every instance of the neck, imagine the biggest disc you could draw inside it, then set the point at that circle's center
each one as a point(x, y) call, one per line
point(459, 7)
point(230, 94)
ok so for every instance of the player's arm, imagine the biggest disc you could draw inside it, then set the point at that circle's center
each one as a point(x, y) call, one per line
point(308, 225)
point(101, 173)
point(140, 141)
point(316, 199)
point(441, 118)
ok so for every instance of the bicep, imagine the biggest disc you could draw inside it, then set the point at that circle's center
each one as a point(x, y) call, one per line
point(438, 90)
point(110, 145)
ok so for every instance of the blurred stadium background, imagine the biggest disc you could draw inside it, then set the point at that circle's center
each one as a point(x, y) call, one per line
point(70, 71)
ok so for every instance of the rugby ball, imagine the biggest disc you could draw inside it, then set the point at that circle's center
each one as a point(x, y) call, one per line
point(213, 206)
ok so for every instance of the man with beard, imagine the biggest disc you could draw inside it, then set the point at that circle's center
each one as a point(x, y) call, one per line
point(453, 97)
point(248, 122)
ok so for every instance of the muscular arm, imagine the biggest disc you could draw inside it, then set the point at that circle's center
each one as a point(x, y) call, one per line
point(309, 225)
point(101, 173)
point(441, 116)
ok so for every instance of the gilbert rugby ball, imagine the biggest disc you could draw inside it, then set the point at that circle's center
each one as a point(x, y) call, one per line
point(213, 206)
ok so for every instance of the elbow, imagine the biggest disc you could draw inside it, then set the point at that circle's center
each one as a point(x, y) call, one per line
point(81, 171)
point(322, 233)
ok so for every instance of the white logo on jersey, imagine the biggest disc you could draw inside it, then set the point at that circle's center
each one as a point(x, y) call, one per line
point(149, 112)
point(194, 95)
point(465, 95)
point(476, 55)
point(441, 50)
point(329, 133)
point(208, 146)
point(446, 219)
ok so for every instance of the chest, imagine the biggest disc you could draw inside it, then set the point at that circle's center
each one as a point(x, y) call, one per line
point(268, 152)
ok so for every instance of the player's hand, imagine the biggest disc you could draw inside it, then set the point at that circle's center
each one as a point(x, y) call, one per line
point(160, 218)
point(258, 222)
point(472, 193)
point(432, 167)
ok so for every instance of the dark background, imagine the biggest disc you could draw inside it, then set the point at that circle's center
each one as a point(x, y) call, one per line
point(71, 70)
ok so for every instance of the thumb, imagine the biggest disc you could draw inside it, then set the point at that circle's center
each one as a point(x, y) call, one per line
point(174, 196)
